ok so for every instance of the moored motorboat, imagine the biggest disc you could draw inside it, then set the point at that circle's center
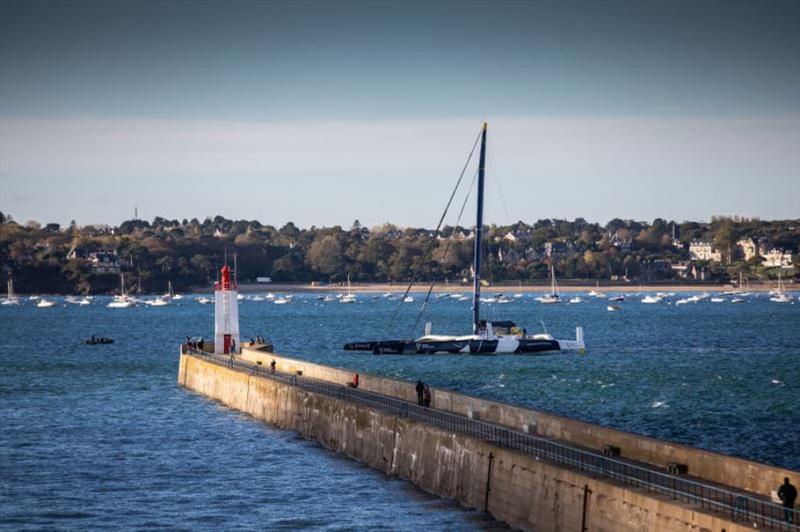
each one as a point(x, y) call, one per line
point(98, 340)
point(158, 302)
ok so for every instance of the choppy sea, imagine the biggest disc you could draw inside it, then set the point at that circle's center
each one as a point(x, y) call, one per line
point(102, 436)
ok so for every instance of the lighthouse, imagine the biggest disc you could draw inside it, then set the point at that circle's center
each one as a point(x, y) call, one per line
point(226, 315)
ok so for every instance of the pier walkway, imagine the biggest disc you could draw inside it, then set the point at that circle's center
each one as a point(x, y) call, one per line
point(733, 504)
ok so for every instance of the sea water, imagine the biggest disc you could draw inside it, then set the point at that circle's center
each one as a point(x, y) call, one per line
point(102, 436)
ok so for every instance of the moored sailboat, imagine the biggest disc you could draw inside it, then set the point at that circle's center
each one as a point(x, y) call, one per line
point(350, 297)
point(10, 299)
point(487, 337)
point(779, 295)
point(122, 300)
point(554, 296)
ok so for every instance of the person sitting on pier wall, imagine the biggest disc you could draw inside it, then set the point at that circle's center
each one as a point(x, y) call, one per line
point(420, 387)
point(787, 494)
point(272, 366)
point(426, 397)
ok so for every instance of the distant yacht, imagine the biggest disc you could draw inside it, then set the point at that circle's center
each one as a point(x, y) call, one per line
point(122, 300)
point(596, 292)
point(553, 296)
point(10, 299)
point(45, 303)
point(779, 295)
point(204, 300)
point(158, 302)
point(350, 297)
point(652, 299)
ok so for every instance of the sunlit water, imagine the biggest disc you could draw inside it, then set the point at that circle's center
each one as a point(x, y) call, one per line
point(102, 436)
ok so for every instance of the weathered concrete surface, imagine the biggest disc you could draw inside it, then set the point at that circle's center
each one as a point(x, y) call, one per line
point(514, 487)
point(714, 467)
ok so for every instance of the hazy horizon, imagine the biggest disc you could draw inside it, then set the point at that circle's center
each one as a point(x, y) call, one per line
point(321, 113)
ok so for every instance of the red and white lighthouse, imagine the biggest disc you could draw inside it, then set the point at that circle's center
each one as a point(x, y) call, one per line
point(226, 315)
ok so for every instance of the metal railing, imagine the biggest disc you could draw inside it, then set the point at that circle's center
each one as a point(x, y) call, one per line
point(736, 506)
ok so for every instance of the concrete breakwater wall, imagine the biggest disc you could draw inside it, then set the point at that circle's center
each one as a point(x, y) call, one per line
point(730, 471)
point(515, 488)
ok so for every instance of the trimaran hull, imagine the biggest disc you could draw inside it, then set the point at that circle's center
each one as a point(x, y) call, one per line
point(472, 347)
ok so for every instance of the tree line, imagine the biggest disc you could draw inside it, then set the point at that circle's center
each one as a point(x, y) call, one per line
point(189, 252)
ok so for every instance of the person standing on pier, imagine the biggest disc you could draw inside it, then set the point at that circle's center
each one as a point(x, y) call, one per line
point(787, 494)
point(426, 397)
point(420, 387)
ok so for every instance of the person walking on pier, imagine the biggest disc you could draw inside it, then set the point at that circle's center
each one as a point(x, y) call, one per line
point(420, 387)
point(787, 494)
point(272, 366)
point(426, 397)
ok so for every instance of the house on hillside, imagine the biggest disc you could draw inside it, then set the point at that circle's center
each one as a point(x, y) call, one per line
point(554, 249)
point(702, 250)
point(777, 258)
point(623, 243)
point(747, 248)
point(104, 262)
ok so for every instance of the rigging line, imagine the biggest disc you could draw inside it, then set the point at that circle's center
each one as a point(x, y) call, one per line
point(435, 234)
point(444, 255)
point(496, 180)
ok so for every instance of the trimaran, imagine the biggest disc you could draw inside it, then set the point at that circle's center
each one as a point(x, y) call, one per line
point(488, 337)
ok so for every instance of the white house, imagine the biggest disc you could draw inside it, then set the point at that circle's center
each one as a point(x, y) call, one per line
point(701, 250)
point(777, 258)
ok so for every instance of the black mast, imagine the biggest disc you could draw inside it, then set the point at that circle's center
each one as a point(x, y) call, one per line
point(476, 264)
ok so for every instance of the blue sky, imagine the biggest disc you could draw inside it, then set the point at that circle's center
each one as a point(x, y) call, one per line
point(326, 112)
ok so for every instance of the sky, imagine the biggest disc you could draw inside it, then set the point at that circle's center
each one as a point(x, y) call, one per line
point(323, 113)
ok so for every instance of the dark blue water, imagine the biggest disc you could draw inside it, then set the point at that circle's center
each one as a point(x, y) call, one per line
point(101, 436)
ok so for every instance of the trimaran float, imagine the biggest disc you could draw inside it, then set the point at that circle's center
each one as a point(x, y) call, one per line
point(488, 337)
